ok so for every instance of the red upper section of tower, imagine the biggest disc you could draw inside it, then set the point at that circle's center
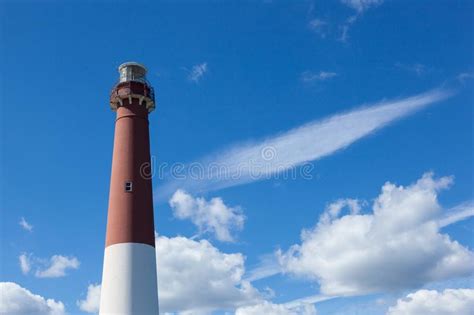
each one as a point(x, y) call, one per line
point(130, 214)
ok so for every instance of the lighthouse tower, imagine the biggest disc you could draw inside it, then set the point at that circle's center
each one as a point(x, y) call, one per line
point(129, 281)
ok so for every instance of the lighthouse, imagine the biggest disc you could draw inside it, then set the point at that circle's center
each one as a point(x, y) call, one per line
point(129, 280)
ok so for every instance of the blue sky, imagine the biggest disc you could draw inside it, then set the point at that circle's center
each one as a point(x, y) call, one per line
point(232, 79)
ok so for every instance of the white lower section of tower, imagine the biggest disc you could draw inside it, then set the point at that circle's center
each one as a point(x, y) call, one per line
point(129, 284)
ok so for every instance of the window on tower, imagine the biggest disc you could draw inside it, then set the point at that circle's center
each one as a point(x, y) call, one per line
point(128, 186)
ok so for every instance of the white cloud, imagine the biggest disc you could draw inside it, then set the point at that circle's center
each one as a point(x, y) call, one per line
point(267, 267)
point(211, 216)
point(243, 163)
point(431, 302)
point(309, 300)
point(268, 308)
point(57, 267)
point(346, 26)
point(319, 26)
point(25, 225)
point(197, 72)
point(195, 277)
point(16, 300)
point(309, 76)
point(397, 246)
point(334, 209)
point(92, 301)
point(25, 264)
point(458, 213)
point(417, 68)
point(361, 5)
point(463, 77)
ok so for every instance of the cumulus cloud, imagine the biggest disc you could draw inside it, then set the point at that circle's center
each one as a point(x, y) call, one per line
point(55, 267)
point(17, 300)
point(334, 209)
point(197, 72)
point(431, 302)
point(92, 301)
point(396, 246)
point(194, 277)
point(58, 265)
point(309, 76)
point(25, 225)
point(25, 264)
point(211, 216)
point(269, 308)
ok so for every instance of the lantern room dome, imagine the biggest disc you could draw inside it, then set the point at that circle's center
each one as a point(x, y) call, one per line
point(132, 71)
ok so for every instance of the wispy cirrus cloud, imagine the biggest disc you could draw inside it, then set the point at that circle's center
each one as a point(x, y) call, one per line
point(244, 163)
point(267, 267)
point(197, 72)
point(319, 26)
point(459, 213)
point(464, 76)
point(25, 225)
point(416, 68)
point(267, 307)
point(362, 5)
point(344, 28)
point(323, 27)
point(309, 76)
point(25, 264)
